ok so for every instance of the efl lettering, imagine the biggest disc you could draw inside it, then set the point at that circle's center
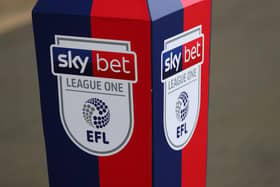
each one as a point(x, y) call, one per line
point(181, 130)
point(97, 137)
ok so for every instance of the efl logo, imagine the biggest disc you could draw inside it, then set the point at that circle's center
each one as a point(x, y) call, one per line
point(182, 57)
point(103, 64)
point(181, 66)
point(95, 80)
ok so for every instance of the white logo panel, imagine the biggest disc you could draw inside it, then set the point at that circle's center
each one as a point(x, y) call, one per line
point(182, 91)
point(96, 113)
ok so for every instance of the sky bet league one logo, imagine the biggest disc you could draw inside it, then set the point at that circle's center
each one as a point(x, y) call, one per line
point(181, 63)
point(95, 78)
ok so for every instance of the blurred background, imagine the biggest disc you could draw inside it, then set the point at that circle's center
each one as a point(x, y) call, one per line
point(244, 125)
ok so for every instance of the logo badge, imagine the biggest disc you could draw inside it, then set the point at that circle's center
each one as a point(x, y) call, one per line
point(95, 79)
point(181, 63)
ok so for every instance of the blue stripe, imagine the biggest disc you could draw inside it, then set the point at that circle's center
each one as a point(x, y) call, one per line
point(166, 162)
point(72, 7)
point(161, 8)
point(68, 165)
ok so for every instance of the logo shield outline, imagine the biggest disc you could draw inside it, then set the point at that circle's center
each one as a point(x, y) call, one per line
point(119, 46)
point(169, 44)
